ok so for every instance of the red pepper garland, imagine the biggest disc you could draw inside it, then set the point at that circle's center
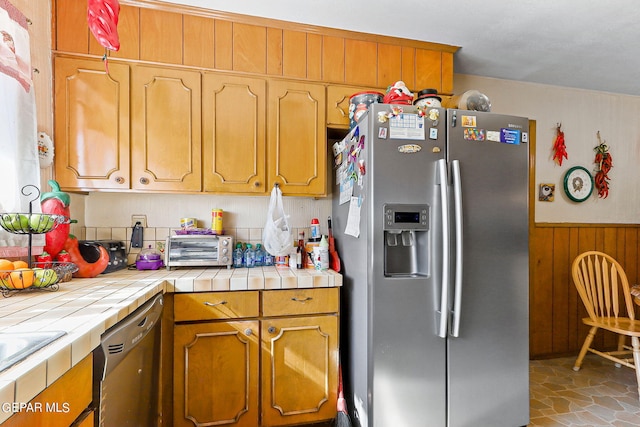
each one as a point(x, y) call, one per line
point(604, 164)
point(559, 148)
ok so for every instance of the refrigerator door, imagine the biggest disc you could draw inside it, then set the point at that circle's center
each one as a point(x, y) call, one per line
point(407, 358)
point(488, 372)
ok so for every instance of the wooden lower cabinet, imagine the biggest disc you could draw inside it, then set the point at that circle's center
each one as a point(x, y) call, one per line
point(299, 368)
point(277, 367)
point(62, 403)
point(216, 374)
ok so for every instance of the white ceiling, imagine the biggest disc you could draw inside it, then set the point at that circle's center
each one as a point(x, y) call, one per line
point(574, 43)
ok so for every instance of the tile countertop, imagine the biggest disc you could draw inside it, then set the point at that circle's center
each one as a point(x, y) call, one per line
point(85, 308)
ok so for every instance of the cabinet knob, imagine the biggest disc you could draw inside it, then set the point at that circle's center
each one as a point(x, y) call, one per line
point(214, 304)
point(119, 180)
point(248, 332)
point(257, 184)
point(144, 181)
point(272, 329)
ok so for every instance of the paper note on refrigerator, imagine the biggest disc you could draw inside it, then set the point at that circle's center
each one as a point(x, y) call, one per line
point(406, 126)
point(353, 220)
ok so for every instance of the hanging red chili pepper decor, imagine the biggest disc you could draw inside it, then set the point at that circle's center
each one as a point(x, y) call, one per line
point(102, 17)
point(559, 148)
point(604, 163)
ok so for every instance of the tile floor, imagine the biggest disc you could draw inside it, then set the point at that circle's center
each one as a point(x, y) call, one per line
point(599, 394)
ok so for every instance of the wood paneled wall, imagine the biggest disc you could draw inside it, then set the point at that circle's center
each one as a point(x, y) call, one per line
point(556, 311)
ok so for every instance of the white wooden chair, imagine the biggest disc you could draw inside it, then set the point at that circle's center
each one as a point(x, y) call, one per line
point(604, 289)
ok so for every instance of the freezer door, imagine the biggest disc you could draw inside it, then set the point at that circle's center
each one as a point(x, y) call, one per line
point(408, 358)
point(488, 372)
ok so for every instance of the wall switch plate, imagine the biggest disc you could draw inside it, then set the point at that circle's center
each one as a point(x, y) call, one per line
point(142, 219)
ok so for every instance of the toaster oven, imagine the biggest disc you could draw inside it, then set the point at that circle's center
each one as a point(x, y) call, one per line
point(116, 249)
point(198, 250)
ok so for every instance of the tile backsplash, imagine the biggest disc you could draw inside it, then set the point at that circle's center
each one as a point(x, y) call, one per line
point(156, 236)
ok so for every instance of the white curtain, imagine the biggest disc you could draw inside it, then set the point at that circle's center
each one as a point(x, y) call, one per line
point(19, 165)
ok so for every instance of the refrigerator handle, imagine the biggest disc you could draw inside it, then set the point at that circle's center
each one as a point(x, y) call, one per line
point(441, 167)
point(457, 202)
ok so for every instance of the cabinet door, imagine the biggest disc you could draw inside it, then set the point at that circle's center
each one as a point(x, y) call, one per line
point(165, 131)
point(299, 369)
point(338, 98)
point(91, 124)
point(234, 111)
point(297, 144)
point(216, 374)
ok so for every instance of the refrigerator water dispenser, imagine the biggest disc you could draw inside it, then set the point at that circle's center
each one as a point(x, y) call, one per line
point(406, 249)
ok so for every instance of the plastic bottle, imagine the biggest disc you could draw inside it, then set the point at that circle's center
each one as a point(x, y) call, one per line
point(260, 255)
point(269, 260)
point(249, 256)
point(238, 255)
point(322, 262)
point(314, 235)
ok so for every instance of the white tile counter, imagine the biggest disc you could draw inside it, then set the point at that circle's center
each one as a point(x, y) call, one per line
point(85, 308)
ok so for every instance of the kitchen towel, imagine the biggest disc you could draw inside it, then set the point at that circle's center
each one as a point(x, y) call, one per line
point(19, 139)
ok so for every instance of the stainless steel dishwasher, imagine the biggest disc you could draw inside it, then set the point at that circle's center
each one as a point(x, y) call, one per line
point(127, 369)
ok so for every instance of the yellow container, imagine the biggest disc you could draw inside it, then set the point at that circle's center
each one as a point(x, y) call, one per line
point(216, 221)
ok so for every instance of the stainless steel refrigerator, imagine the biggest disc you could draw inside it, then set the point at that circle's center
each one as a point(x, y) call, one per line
point(430, 216)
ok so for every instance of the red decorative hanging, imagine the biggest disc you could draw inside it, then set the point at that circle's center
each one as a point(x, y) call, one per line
point(559, 148)
point(604, 163)
point(102, 17)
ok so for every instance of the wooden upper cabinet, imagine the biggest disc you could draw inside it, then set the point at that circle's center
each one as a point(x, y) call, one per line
point(91, 124)
point(214, 40)
point(338, 101)
point(234, 111)
point(166, 129)
point(297, 152)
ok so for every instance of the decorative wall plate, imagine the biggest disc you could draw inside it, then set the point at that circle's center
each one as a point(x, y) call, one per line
point(578, 184)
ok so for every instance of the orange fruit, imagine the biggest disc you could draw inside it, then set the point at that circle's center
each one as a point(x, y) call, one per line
point(20, 264)
point(21, 278)
point(5, 267)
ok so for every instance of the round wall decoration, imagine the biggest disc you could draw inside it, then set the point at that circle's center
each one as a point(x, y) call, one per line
point(578, 184)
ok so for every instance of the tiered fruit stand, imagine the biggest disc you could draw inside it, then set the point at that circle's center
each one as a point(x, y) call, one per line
point(41, 275)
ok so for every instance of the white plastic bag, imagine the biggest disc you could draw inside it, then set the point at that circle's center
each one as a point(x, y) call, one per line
point(277, 237)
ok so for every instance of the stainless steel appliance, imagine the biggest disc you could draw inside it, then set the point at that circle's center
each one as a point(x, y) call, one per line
point(126, 369)
point(198, 250)
point(435, 295)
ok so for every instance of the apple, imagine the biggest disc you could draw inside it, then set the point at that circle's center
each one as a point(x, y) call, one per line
point(44, 277)
point(6, 283)
point(40, 223)
point(20, 222)
point(6, 222)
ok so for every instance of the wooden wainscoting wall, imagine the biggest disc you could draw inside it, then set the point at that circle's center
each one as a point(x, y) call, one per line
point(556, 311)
